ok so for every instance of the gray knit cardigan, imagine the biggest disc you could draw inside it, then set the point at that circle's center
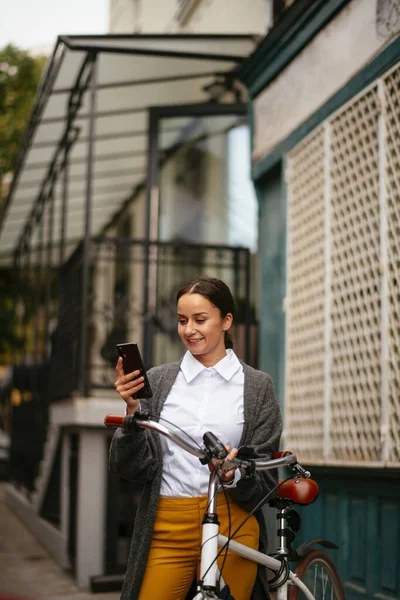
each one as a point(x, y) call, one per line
point(136, 455)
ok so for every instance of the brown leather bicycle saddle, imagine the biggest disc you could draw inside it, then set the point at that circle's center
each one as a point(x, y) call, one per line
point(299, 491)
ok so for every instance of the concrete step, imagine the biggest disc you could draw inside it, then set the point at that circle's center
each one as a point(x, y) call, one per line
point(46, 465)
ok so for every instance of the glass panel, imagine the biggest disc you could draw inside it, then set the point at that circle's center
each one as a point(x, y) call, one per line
point(206, 195)
point(206, 199)
point(242, 202)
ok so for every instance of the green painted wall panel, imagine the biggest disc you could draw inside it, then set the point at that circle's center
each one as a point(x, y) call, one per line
point(360, 511)
point(389, 546)
point(330, 520)
point(342, 536)
point(272, 252)
point(358, 537)
point(371, 558)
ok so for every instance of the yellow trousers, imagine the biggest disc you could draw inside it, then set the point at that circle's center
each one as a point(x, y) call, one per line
point(174, 556)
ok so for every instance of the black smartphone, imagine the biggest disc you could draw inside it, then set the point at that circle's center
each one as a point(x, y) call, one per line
point(132, 361)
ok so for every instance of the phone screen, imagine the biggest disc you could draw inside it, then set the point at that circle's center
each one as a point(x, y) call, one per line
point(132, 361)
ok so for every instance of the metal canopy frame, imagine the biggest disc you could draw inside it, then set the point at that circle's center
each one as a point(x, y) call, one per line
point(133, 73)
point(96, 118)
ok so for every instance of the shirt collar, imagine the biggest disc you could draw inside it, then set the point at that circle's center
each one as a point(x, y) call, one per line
point(226, 367)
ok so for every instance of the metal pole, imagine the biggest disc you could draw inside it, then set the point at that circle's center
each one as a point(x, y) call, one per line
point(64, 206)
point(49, 261)
point(61, 248)
point(26, 279)
point(84, 379)
point(30, 280)
point(38, 294)
point(151, 234)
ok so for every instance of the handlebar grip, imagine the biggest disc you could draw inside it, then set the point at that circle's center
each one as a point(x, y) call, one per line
point(114, 420)
point(281, 454)
point(295, 467)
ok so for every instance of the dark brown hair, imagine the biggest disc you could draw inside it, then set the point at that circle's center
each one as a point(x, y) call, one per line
point(217, 292)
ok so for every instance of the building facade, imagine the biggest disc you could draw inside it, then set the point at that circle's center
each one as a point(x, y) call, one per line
point(190, 16)
point(325, 160)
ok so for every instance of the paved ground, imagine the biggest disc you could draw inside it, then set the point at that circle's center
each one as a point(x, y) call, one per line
point(26, 568)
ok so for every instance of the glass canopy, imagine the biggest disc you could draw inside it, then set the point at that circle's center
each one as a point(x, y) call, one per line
point(103, 113)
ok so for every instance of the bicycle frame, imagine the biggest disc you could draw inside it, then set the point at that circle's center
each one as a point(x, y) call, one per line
point(211, 538)
point(266, 561)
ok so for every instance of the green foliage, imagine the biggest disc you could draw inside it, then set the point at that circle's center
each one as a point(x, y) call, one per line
point(16, 307)
point(20, 74)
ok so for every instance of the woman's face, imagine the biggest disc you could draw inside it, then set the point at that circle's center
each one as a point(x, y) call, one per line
point(201, 328)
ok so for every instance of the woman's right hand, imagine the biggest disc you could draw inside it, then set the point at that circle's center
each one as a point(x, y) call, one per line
point(126, 385)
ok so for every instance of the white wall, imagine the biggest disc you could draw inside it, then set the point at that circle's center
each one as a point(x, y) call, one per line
point(332, 58)
point(206, 16)
point(122, 16)
point(92, 482)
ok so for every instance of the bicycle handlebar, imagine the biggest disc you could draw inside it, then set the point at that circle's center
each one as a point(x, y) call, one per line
point(259, 464)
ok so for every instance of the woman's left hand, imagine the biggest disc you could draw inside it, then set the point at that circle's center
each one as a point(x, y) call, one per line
point(227, 476)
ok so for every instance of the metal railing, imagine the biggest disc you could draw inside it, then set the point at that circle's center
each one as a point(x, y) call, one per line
point(55, 365)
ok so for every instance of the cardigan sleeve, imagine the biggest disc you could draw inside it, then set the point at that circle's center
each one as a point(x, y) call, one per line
point(263, 437)
point(134, 453)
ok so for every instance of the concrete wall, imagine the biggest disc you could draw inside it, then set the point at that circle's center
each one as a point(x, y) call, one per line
point(91, 517)
point(203, 16)
point(333, 57)
point(85, 417)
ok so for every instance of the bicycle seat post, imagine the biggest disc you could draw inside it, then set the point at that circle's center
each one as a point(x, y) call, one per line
point(282, 516)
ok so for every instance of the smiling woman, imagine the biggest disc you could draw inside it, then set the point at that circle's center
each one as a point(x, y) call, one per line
point(209, 389)
point(205, 314)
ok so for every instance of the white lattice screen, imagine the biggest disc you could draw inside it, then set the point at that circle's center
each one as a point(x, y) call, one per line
point(391, 86)
point(305, 316)
point(343, 287)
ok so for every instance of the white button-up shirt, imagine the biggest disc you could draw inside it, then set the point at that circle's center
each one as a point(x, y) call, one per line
point(201, 399)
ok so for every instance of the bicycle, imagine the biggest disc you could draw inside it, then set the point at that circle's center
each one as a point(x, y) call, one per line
point(314, 577)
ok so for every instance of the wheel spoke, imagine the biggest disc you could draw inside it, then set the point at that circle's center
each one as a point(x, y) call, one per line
point(319, 574)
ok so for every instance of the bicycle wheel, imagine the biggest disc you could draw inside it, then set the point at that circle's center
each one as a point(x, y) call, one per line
point(319, 574)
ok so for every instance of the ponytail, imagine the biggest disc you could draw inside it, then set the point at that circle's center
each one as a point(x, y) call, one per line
point(228, 340)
